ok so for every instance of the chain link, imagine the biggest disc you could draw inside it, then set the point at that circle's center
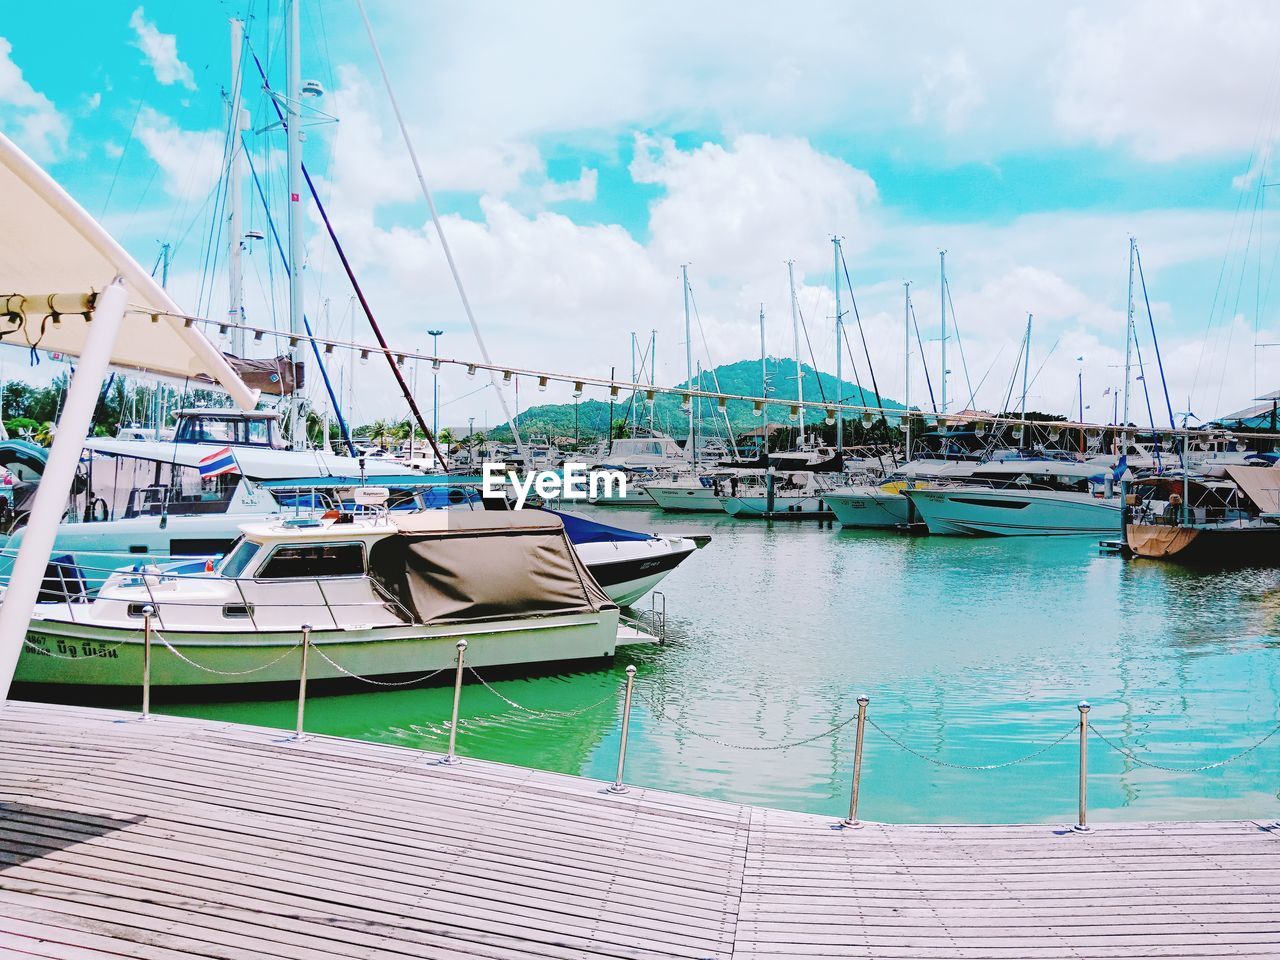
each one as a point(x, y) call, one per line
point(612, 697)
point(970, 766)
point(663, 715)
point(377, 683)
point(1130, 755)
point(223, 673)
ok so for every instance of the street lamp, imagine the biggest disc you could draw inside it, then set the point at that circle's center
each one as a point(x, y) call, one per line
point(435, 382)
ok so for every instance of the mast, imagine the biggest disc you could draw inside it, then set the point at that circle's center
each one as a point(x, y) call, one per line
point(764, 387)
point(1026, 365)
point(293, 157)
point(688, 355)
point(795, 336)
point(1128, 339)
point(942, 296)
point(835, 243)
point(237, 123)
point(906, 366)
point(633, 380)
point(653, 371)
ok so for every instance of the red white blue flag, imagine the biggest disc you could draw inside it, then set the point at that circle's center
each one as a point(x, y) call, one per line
point(217, 463)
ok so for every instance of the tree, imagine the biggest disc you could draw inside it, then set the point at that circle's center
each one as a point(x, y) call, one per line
point(446, 438)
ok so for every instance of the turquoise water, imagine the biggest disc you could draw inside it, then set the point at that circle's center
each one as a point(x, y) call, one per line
point(972, 652)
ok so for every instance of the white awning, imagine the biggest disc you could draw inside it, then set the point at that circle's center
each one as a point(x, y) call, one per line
point(54, 257)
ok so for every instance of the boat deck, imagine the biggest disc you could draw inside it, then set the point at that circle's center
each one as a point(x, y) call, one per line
point(178, 838)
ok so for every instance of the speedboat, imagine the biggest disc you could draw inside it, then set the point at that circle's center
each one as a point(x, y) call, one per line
point(1024, 498)
point(883, 505)
point(385, 598)
point(625, 563)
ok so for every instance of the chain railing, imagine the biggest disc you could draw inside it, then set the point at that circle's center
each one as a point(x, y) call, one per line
point(646, 694)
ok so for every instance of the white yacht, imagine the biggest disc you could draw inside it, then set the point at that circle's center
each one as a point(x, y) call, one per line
point(1025, 498)
point(386, 598)
point(794, 496)
point(690, 493)
point(882, 505)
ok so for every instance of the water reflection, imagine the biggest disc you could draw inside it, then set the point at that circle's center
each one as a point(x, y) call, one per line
point(973, 652)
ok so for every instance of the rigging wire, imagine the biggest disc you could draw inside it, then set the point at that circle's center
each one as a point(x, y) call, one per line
point(1155, 342)
point(857, 316)
point(955, 324)
point(933, 405)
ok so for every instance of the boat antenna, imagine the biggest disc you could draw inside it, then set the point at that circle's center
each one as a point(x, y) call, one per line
point(444, 241)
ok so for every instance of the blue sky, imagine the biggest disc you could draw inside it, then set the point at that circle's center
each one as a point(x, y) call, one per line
point(582, 152)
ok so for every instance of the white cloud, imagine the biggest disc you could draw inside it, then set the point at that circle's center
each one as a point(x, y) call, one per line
point(949, 91)
point(161, 52)
point(1170, 78)
point(29, 116)
point(189, 159)
point(582, 189)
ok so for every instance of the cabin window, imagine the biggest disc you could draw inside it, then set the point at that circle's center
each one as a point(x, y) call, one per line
point(239, 558)
point(314, 560)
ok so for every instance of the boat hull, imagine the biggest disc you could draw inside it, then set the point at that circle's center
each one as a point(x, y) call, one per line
point(973, 511)
point(60, 652)
point(870, 508)
point(686, 499)
point(627, 570)
point(784, 508)
point(1208, 546)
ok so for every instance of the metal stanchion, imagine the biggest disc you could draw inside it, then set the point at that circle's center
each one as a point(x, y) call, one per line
point(852, 820)
point(147, 611)
point(1083, 824)
point(302, 680)
point(451, 756)
point(618, 786)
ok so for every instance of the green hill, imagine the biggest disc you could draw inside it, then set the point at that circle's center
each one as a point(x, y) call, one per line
point(743, 377)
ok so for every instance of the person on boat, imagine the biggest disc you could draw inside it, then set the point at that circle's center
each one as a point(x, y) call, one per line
point(733, 485)
point(1173, 510)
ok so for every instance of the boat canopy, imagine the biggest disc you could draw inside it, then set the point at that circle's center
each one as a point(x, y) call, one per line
point(1259, 484)
point(56, 258)
point(476, 566)
point(583, 530)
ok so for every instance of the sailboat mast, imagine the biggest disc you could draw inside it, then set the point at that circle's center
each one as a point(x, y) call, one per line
point(688, 354)
point(835, 243)
point(633, 380)
point(293, 160)
point(795, 336)
point(906, 366)
point(653, 371)
point(1128, 339)
point(764, 387)
point(235, 193)
point(1026, 365)
point(942, 296)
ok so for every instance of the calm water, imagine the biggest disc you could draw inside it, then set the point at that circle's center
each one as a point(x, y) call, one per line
point(972, 652)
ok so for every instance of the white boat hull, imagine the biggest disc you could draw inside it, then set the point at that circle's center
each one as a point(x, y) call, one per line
point(626, 570)
point(94, 655)
point(797, 507)
point(975, 511)
point(870, 508)
point(686, 498)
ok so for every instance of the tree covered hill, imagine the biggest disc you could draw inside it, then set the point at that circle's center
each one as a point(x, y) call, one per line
point(743, 377)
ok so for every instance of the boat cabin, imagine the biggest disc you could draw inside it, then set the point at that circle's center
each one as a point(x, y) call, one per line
point(233, 428)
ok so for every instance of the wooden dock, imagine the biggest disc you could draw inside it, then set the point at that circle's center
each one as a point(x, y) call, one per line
point(179, 838)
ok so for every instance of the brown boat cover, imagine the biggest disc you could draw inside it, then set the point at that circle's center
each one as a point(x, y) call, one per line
point(464, 565)
point(1260, 484)
point(275, 376)
point(1154, 540)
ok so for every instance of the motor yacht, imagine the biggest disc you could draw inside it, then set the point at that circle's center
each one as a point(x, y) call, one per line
point(385, 598)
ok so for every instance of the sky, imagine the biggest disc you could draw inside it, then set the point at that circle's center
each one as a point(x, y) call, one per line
point(580, 153)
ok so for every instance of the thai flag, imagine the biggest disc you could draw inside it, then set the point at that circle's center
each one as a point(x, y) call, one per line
point(217, 463)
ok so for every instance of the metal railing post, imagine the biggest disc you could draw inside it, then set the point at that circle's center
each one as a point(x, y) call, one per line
point(852, 820)
point(147, 611)
point(302, 681)
point(452, 756)
point(618, 786)
point(1082, 825)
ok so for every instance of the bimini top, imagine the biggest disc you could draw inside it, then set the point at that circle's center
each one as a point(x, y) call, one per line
point(54, 258)
point(474, 566)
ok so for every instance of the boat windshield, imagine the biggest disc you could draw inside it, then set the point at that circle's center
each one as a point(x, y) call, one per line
point(241, 554)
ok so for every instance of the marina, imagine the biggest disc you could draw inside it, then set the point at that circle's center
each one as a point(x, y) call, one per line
point(894, 601)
